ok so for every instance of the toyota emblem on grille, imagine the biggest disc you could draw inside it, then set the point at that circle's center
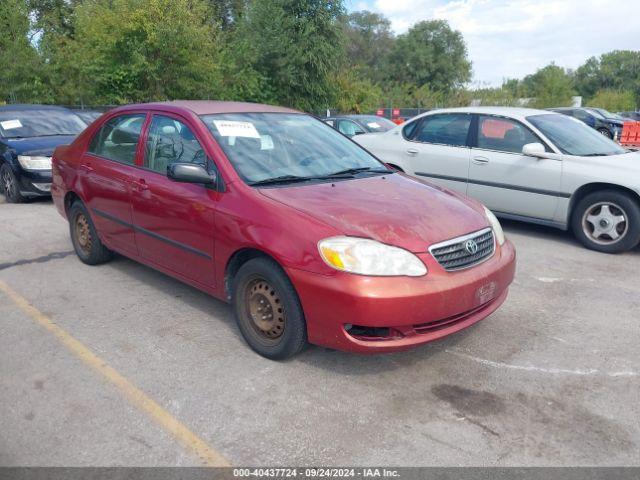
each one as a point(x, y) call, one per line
point(471, 246)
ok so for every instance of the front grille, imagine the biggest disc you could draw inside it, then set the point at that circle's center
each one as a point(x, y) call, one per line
point(454, 254)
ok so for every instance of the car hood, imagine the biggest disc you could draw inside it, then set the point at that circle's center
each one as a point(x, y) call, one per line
point(626, 164)
point(393, 209)
point(38, 145)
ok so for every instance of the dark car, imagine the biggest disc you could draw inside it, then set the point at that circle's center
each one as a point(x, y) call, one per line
point(28, 136)
point(607, 123)
point(88, 116)
point(351, 125)
point(633, 116)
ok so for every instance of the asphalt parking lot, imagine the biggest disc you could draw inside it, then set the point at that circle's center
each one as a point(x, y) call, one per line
point(122, 365)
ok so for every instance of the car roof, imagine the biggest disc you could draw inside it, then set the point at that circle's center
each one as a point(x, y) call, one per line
point(28, 106)
point(207, 107)
point(515, 112)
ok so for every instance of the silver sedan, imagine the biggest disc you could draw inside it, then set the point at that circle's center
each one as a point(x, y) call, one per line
point(524, 164)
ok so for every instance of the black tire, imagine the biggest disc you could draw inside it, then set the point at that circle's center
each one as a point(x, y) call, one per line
point(619, 205)
point(10, 185)
point(605, 132)
point(262, 281)
point(85, 239)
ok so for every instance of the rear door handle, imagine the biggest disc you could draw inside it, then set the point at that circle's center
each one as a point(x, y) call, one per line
point(140, 185)
point(86, 167)
point(412, 151)
point(480, 160)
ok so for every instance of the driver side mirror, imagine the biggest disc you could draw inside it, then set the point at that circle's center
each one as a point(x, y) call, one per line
point(533, 149)
point(190, 173)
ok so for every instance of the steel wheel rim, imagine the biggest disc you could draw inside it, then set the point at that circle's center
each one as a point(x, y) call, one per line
point(605, 223)
point(8, 183)
point(265, 310)
point(83, 233)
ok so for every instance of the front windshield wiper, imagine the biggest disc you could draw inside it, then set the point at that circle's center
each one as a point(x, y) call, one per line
point(281, 179)
point(358, 170)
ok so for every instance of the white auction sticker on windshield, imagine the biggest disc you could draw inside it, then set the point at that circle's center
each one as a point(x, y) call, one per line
point(230, 128)
point(9, 124)
point(373, 125)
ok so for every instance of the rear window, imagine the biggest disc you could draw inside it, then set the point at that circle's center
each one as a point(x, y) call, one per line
point(446, 129)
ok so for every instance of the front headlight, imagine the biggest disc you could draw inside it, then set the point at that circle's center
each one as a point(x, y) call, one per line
point(495, 224)
point(34, 163)
point(368, 257)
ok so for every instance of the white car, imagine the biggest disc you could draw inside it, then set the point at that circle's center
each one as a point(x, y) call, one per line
point(524, 164)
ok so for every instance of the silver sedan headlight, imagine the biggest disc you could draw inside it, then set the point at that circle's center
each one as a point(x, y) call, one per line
point(34, 162)
point(369, 257)
point(495, 225)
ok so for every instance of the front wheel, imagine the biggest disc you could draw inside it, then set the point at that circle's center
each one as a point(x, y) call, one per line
point(605, 132)
point(10, 186)
point(268, 310)
point(607, 221)
point(86, 243)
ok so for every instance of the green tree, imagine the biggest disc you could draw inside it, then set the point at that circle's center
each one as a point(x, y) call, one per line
point(430, 53)
point(227, 13)
point(356, 95)
point(551, 86)
point(22, 77)
point(614, 100)
point(296, 46)
point(369, 42)
point(130, 51)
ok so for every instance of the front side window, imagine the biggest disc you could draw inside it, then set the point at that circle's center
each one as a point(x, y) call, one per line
point(447, 129)
point(283, 147)
point(573, 137)
point(39, 123)
point(503, 134)
point(171, 141)
point(349, 128)
point(118, 138)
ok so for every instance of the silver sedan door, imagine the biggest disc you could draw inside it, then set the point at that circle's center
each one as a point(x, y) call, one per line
point(507, 181)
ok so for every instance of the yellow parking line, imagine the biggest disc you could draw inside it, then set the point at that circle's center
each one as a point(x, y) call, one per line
point(132, 393)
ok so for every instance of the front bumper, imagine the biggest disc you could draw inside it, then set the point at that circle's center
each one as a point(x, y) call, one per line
point(415, 310)
point(34, 183)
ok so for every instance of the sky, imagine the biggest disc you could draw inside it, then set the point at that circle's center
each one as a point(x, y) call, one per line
point(513, 38)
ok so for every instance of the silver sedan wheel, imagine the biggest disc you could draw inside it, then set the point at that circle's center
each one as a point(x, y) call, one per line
point(605, 223)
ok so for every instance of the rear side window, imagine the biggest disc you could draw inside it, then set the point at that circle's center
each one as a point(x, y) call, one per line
point(118, 138)
point(448, 129)
point(503, 134)
point(171, 141)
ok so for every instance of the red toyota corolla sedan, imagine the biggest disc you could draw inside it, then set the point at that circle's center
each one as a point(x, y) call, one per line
point(310, 237)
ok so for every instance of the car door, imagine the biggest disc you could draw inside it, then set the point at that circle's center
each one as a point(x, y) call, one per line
point(174, 221)
point(106, 171)
point(436, 148)
point(504, 179)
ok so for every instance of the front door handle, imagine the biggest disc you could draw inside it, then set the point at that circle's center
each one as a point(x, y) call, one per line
point(86, 168)
point(412, 151)
point(480, 160)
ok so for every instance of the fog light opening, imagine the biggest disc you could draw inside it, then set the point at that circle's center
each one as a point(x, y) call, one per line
point(372, 333)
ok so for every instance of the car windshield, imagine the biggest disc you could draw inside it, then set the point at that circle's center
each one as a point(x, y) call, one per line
point(377, 124)
point(606, 114)
point(39, 123)
point(286, 148)
point(573, 137)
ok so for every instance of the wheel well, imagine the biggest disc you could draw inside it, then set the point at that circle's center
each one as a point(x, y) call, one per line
point(585, 190)
point(69, 198)
point(236, 261)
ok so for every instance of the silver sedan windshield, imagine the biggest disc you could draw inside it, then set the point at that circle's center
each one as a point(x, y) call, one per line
point(573, 137)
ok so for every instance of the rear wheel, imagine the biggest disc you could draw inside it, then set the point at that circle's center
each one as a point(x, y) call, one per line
point(84, 237)
point(10, 186)
point(268, 310)
point(607, 221)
